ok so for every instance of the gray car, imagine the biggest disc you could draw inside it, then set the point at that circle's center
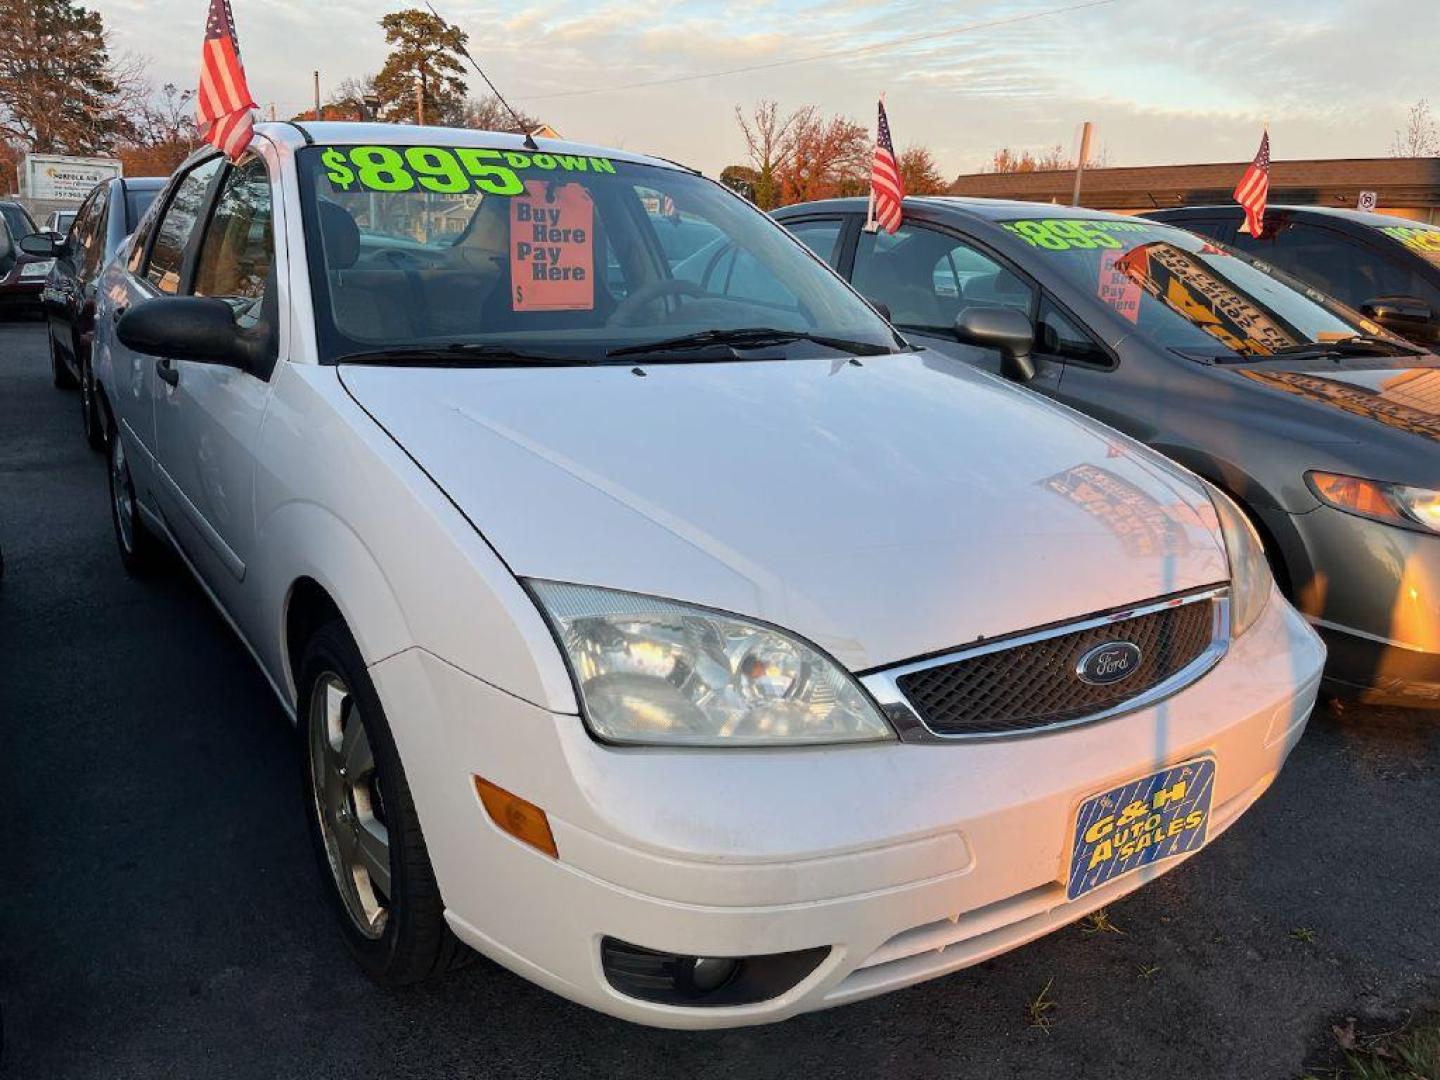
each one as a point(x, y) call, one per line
point(1324, 426)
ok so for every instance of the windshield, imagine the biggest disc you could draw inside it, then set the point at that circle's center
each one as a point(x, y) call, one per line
point(554, 256)
point(1184, 292)
point(1423, 240)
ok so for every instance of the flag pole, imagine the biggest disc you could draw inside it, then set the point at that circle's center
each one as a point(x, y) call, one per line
point(871, 225)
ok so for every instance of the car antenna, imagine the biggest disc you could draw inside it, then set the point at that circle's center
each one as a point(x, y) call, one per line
point(530, 143)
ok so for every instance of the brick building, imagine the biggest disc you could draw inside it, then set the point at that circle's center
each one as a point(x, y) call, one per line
point(1406, 187)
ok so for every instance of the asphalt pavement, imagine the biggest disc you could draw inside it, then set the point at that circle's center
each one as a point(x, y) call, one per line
point(160, 912)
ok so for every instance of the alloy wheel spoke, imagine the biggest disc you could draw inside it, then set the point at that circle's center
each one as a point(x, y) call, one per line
point(372, 852)
point(355, 753)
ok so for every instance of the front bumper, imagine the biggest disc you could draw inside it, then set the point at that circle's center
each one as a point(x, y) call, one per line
point(905, 861)
point(1373, 592)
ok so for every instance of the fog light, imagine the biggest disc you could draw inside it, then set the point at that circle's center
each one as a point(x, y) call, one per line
point(703, 981)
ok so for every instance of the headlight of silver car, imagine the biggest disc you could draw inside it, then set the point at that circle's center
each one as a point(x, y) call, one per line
point(656, 671)
point(1250, 577)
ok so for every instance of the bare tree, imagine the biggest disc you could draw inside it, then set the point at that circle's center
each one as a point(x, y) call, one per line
point(1006, 160)
point(489, 114)
point(770, 145)
point(163, 132)
point(1421, 137)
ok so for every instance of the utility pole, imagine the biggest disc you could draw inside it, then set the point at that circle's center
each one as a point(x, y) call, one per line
point(1085, 132)
point(420, 100)
point(317, 95)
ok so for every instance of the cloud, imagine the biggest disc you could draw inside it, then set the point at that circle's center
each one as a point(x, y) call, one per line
point(1165, 80)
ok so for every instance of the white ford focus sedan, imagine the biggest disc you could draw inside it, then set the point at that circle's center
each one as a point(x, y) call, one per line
point(657, 622)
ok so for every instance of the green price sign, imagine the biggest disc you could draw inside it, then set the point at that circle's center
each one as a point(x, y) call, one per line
point(445, 170)
point(1066, 234)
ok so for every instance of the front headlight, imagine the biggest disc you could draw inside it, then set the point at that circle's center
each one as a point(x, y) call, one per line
point(655, 671)
point(1394, 504)
point(1250, 577)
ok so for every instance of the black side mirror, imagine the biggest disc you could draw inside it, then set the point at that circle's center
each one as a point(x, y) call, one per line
point(46, 245)
point(1006, 329)
point(195, 328)
point(883, 310)
point(1401, 314)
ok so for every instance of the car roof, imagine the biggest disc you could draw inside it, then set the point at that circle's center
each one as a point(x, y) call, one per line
point(1359, 217)
point(959, 205)
point(297, 135)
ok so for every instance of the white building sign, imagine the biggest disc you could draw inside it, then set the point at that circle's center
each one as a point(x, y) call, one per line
point(63, 179)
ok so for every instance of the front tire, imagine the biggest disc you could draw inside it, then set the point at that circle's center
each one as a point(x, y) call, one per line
point(374, 866)
point(59, 373)
point(139, 548)
point(90, 419)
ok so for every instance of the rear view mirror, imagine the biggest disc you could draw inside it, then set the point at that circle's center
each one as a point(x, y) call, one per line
point(1006, 329)
point(191, 328)
point(48, 245)
point(1402, 314)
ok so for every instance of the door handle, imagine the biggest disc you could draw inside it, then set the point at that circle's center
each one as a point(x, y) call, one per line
point(166, 369)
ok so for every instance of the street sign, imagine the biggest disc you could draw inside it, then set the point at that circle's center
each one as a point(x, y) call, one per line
point(1368, 200)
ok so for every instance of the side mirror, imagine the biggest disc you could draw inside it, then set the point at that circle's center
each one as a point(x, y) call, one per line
point(1399, 313)
point(1006, 329)
point(883, 310)
point(195, 328)
point(46, 245)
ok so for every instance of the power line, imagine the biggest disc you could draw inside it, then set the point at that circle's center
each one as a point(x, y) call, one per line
point(894, 43)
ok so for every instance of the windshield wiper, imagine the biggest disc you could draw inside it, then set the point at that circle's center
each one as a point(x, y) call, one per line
point(752, 337)
point(460, 354)
point(1358, 345)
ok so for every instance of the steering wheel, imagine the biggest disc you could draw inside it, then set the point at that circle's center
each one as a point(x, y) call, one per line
point(628, 307)
point(401, 260)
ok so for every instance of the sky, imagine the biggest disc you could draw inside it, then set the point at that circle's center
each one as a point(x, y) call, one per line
point(1164, 81)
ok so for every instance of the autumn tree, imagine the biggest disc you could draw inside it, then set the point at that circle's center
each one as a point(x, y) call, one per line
point(60, 91)
point(829, 157)
point(769, 144)
point(1006, 160)
point(1421, 136)
point(424, 51)
point(919, 173)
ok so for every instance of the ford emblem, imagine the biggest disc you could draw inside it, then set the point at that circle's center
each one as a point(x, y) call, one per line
point(1109, 663)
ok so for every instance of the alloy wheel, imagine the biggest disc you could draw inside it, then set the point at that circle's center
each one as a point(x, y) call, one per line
point(348, 805)
point(122, 495)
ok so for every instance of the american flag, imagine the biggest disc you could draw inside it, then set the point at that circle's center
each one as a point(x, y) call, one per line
point(1254, 187)
point(223, 107)
point(886, 188)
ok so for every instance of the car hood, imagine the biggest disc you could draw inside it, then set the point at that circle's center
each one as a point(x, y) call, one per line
point(1363, 396)
point(880, 508)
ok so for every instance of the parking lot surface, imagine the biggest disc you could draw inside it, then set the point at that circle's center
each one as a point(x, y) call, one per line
point(160, 911)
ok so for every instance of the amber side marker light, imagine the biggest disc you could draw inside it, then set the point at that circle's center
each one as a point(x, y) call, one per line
point(523, 820)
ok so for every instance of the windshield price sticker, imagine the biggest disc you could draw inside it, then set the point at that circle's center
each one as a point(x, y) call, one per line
point(552, 248)
point(445, 170)
point(1070, 234)
point(1425, 241)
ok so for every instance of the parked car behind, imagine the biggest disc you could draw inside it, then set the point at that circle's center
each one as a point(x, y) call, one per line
point(1323, 427)
point(109, 214)
point(22, 275)
point(18, 218)
point(59, 221)
point(704, 658)
point(1383, 266)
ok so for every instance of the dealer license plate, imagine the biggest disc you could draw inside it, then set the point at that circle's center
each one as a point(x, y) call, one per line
point(1141, 822)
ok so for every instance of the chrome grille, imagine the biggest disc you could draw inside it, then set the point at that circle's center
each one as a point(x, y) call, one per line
point(1001, 688)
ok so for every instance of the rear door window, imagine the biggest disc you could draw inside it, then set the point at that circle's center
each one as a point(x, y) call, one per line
point(820, 235)
point(177, 224)
point(926, 278)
